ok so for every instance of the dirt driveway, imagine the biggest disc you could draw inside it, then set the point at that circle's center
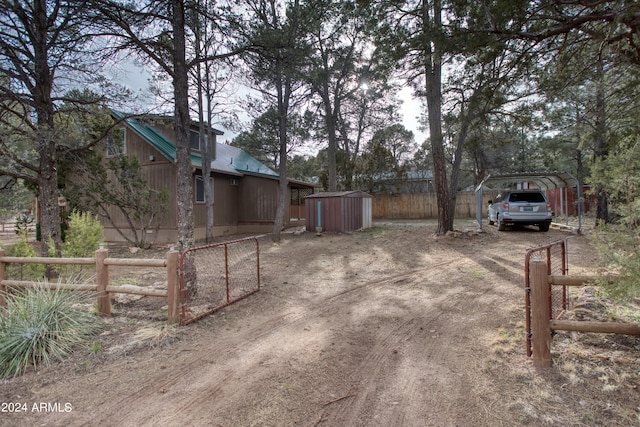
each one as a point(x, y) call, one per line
point(392, 326)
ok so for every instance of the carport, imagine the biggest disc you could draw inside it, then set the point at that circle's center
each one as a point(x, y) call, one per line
point(542, 180)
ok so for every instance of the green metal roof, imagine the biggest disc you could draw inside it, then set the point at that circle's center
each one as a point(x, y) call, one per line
point(233, 160)
point(229, 159)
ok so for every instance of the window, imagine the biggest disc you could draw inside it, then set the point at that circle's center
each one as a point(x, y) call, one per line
point(116, 143)
point(533, 197)
point(199, 190)
point(194, 140)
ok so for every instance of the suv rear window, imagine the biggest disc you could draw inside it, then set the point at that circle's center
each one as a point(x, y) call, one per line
point(527, 197)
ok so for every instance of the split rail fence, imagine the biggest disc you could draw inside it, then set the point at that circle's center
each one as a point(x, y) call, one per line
point(102, 262)
point(543, 288)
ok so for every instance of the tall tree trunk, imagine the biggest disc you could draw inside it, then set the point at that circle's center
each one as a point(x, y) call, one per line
point(208, 156)
point(284, 83)
point(47, 176)
point(184, 184)
point(332, 152)
point(457, 163)
point(348, 163)
point(433, 83)
point(580, 172)
point(283, 187)
point(205, 135)
point(601, 149)
point(48, 197)
point(284, 96)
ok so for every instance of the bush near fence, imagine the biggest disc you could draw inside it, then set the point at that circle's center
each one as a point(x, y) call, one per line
point(424, 205)
point(102, 286)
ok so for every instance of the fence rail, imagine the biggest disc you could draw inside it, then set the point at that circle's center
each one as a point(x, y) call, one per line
point(555, 257)
point(542, 321)
point(102, 286)
point(217, 275)
point(9, 227)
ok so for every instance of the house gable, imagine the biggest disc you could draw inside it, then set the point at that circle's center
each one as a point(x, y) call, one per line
point(245, 190)
point(229, 160)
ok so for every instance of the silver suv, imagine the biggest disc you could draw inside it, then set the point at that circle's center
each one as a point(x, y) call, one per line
point(522, 207)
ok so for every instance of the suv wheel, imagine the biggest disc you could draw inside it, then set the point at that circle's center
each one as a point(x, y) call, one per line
point(544, 227)
point(501, 225)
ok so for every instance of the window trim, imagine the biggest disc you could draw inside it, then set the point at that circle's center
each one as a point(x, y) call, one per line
point(194, 132)
point(200, 179)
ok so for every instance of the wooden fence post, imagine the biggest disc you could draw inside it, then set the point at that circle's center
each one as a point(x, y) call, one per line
point(102, 278)
point(3, 276)
point(172, 287)
point(541, 314)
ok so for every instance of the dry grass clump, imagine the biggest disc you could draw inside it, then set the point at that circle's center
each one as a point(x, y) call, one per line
point(594, 380)
point(149, 337)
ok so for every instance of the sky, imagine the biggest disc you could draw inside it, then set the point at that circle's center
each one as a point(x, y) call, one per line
point(410, 112)
point(136, 79)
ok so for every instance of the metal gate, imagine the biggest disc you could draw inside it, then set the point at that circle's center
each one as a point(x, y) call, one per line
point(214, 276)
point(555, 255)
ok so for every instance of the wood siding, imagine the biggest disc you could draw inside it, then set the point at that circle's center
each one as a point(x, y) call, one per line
point(225, 203)
point(257, 200)
point(160, 173)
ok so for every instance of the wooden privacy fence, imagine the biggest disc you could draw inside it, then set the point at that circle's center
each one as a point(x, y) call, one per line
point(543, 323)
point(102, 286)
point(424, 205)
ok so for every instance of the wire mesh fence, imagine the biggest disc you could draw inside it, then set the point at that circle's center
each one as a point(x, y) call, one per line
point(555, 257)
point(216, 275)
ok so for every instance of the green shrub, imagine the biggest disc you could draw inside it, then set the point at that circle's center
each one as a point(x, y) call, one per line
point(40, 325)
point(23, 271)
point(617, 246)
point(83, 237)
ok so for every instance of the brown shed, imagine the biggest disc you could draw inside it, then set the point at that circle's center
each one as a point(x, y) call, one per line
point(338, 211)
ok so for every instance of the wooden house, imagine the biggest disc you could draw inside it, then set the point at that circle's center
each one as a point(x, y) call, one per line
point(245, 190)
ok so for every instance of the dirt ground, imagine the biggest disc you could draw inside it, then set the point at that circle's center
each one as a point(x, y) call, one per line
point(391, 326)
